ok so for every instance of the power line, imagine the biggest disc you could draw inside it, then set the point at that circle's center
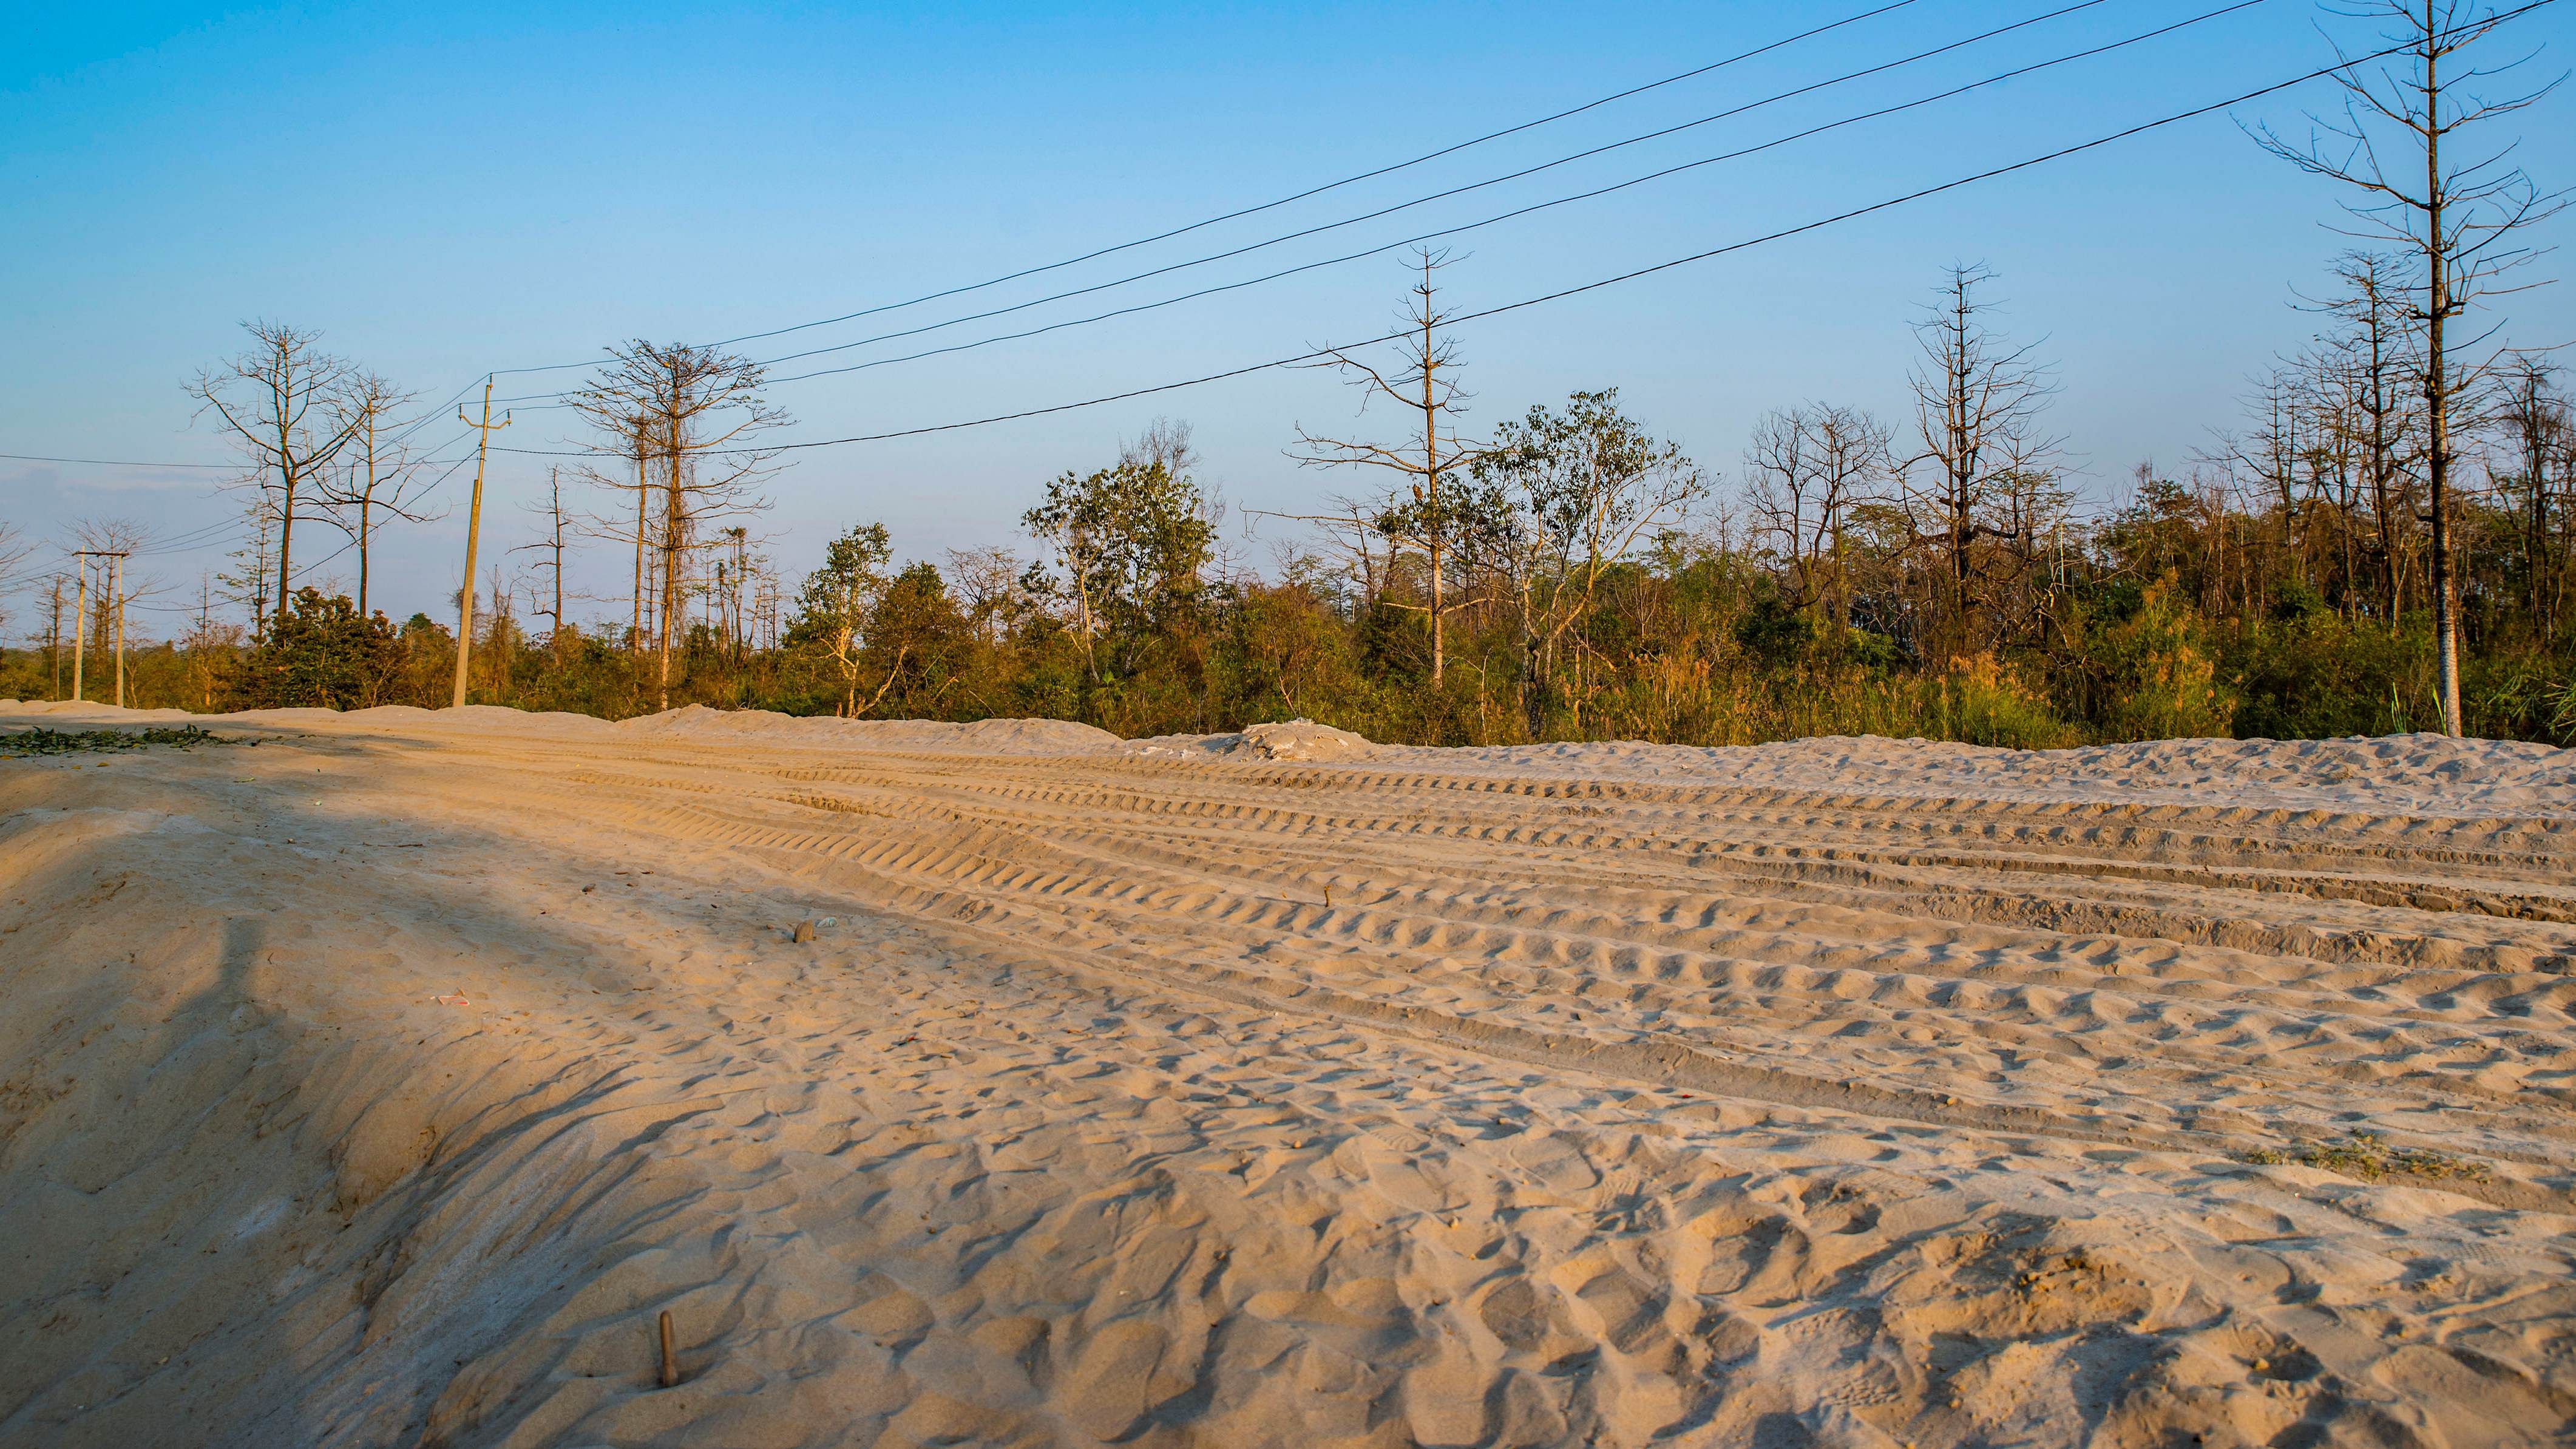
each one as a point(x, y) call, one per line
point(1516, 212)
point(1559, 295)
point(1361, 176)
point(110, 462)
point(1527, 171)
point(404, 432)
point(1312, 191)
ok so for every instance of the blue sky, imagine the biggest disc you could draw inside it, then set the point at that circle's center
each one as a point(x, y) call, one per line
point(500, 186)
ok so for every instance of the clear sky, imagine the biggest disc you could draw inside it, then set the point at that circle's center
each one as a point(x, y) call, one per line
point(470, 187)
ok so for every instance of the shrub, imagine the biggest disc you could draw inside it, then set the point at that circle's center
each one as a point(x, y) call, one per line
point(322, 652)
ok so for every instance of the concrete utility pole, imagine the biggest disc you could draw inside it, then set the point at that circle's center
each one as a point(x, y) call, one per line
point(473, 535)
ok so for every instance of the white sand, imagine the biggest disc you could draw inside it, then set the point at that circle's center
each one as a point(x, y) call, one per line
point(1853, 1092)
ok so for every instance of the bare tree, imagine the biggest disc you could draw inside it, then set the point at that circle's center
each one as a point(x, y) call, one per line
point(379, 472)
point(1423, 514)
point(284, 399)
point(988, 581)
point(1807, 468)
point(14, 550)
point(1977, 403)
point(633, 476)
point(246, 582)
point(692, 414)
point(54, 632)
point(2538, 424)
point(1356, 535)
point(551, 551)
point(207, 642)
point(2383, 420)
point(2461, 222)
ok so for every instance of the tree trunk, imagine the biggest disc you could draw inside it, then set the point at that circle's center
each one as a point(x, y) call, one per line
point(366, 501)
point(2446, 602)
point(1439, 530)
point(285, 540)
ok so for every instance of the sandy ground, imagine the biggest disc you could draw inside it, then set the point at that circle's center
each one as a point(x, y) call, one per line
point(382, 1083)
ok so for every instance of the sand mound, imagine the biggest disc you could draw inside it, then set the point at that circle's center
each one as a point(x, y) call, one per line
point(694, 721)
point(1299, 740)
point(384, 1085)
point(983, 737)
point(991, 737)
point(2412, 773)
point(45, 708)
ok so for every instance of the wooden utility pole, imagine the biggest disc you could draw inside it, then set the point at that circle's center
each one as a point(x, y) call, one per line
point(116, 592)
point(80, 624)
point(54, 637)
point(473, 536)
point(111, 626)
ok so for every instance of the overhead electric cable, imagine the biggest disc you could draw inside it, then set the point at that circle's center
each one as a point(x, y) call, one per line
point(1312, 191)
point(1728, 114)
point(1975, 178)
point(1584, 155)
point(1353, 179)
point(1516, 212)
point(109, 462)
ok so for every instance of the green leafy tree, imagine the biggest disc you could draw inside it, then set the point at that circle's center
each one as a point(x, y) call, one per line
point(1584, 487)
point(1131, 546)
point(321, 652)
point(832, 611)
point(918, 643)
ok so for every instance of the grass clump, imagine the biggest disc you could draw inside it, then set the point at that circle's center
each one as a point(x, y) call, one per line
point(2367, 1156)
point(40, 741)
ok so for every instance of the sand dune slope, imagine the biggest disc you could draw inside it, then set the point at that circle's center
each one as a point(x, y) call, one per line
point(383, 1083)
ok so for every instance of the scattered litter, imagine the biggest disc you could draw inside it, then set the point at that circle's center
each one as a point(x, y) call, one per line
point(586, 890)
point(457, 1000)
point(828, 922)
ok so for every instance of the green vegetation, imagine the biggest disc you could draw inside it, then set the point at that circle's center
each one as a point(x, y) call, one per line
point(2367, 1155)
point(22, 744)
point(1690, 640)
point(1574, 575)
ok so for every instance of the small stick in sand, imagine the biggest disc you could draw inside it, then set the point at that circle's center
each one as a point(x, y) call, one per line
point(1328, 897)
point(670, 1361)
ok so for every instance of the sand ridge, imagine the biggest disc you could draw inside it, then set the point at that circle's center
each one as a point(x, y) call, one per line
point(1280, 1089)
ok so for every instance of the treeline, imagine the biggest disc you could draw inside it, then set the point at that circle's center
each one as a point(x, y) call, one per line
point(1576, 576)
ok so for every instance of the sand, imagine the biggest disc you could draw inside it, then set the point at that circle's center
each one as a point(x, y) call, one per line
point(384, 1082)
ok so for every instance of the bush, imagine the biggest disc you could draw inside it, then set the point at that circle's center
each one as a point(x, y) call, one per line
point(2317, 676)
point(320, 652)
point(1982, 701)
point(2143, 668)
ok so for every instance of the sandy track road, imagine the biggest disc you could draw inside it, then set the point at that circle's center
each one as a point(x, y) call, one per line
point(383, 1083)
